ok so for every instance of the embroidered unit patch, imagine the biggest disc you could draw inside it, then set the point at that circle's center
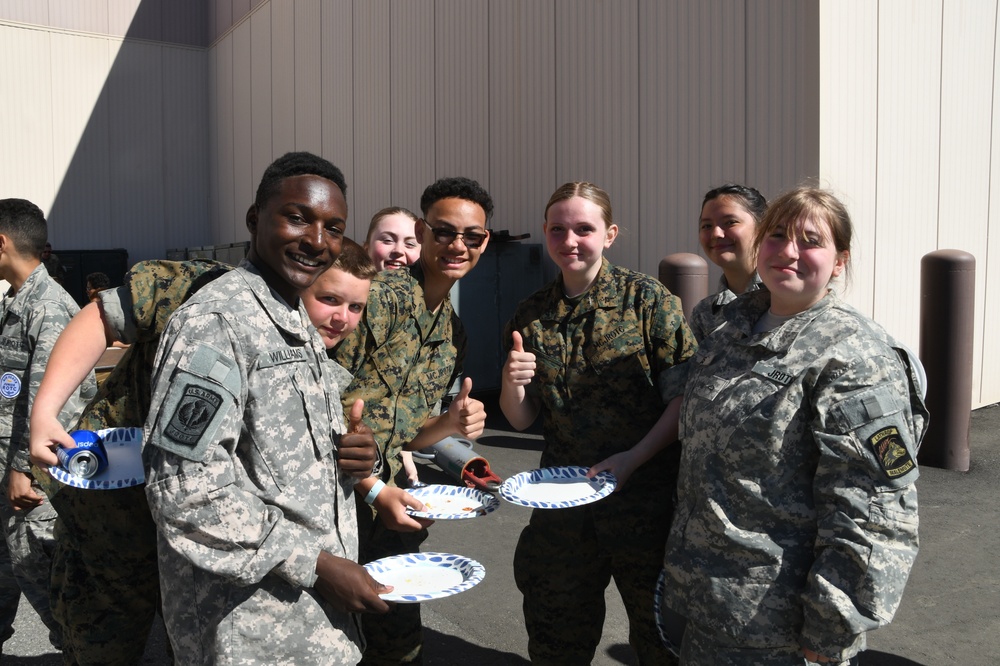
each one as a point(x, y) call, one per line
point(10, 385)
point(196, 409)
point(891, 453)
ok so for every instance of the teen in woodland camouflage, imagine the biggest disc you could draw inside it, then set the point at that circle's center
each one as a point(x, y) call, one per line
point(796, 523)
point(405, 355)
point(253, 512)
point(729, 217)
point(105, 583)
point(34, 312)
point(586, 354)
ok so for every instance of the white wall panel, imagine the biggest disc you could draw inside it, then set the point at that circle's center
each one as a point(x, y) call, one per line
point(848, 118)
point(522, 128)
point(337, 49)
point(229, 208)
point(412, 105)
point(244, 179)
point(261, 127)
point(282, 77)
point(692, 119)
point(967, 47)
point(909, 103)
point(371, 180)
point(597, 110)
point(27, 170)
point(461, 90)
point(25, 11)
point(82, 213)
point(85, 16)
point(185, 135)
point(122, 13)
point(308, 76)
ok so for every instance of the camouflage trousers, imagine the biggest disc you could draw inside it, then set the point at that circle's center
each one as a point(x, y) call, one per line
point(105, 587)
point(706, 647)
point(566, 558)
point(30, 544)
point(10, 594)
point(398, 636)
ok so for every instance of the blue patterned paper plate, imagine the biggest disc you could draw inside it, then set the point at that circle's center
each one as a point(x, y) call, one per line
point(443, 502)
point(124, 470)
point(557, 487)
point(424, 576)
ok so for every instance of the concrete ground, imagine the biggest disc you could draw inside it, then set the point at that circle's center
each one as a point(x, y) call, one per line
point(948, 616)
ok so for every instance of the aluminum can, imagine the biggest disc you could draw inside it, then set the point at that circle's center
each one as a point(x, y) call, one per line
point(88, 458)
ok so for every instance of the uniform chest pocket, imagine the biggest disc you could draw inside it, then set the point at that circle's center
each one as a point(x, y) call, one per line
point(619, 356)
point(12, 378)
point(290, 424)
point(433, 373)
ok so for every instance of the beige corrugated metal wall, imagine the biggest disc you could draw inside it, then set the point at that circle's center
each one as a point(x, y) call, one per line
point(888, 102)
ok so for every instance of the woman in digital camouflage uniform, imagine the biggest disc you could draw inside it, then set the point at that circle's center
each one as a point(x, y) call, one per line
point(587, 353)
point(796, 521)
point(726, 226)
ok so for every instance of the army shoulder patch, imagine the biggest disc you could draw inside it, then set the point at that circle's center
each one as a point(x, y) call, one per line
point(192, 415)
point(890, 452)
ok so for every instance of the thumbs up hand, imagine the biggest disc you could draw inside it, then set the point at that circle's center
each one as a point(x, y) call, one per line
point(520, 365)
point(358, 450)
point(468, 415)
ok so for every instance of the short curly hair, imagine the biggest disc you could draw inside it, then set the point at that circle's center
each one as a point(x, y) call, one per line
point(457, 188)
point(296, 164)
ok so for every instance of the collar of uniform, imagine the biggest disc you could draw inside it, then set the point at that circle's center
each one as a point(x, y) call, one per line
point(28, 291)
point(292, 320)
point(602, 294)
point(720, 296)
point(744, 312)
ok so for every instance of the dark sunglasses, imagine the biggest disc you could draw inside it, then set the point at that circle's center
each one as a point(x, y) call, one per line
point(472, 239)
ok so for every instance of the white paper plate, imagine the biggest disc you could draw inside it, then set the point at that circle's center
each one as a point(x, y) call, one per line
point(557, 487)
point(443, 502)
point(420, 577)
point(124, 470)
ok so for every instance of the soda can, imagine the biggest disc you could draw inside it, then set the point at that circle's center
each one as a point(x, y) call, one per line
point(88, 458)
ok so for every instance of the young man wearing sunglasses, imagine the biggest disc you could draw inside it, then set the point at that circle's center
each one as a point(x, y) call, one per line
point(404, 356)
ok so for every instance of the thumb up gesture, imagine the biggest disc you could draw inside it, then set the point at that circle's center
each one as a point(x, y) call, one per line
point(520, 365)
point(468, 415)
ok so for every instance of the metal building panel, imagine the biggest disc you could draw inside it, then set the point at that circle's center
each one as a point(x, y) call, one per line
point(220, 18)
point(337, 75)
point(185, 22)
point(135, 95)
point(412, 104)
point(967, 46)
point(185, 135)
point(26, 119)
point(214, 157)
point(81, 135)
point(240, 9)
point(909, 103)
point(135, 19)
point(848, 118)
point(597, 110)
point(25, 11)
point(308, 76)
point(282, 76)
point(461, 90)
point(261, 130)
point(370, 182)
point(692, 119)
point(82, 16)
point(229, 209)
point(244, 179)
point(522, 131)
point(990, 369)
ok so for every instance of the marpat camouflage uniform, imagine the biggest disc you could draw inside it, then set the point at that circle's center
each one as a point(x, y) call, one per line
point(404, 359)
point(598, 358)
point(105, 583)
point(707, 314)
point(243, 482)
point(30, 323)
point(796, 522)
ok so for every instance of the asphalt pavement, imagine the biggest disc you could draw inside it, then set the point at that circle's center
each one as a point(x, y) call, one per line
point(948, 616)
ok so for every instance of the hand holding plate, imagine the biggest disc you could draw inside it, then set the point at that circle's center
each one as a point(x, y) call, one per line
point(348, 585)
point(392, 505)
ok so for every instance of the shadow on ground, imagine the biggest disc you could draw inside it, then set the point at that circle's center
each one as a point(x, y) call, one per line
point(444, 650)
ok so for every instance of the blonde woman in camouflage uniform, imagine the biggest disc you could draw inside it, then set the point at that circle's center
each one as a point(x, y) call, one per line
point(796, 523)
point(587, 352)
point(729, 217)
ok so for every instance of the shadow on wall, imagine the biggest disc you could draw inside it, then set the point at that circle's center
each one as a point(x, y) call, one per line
point(138, 177)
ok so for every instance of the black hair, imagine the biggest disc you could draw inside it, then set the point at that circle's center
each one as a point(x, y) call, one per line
point(457, 188)
point(752, 200)
point(24, 223)
point(98, 281)
point(296, 164)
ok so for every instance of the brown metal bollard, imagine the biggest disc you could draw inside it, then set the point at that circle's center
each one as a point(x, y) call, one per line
point(947, 308)
point(686, 276)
